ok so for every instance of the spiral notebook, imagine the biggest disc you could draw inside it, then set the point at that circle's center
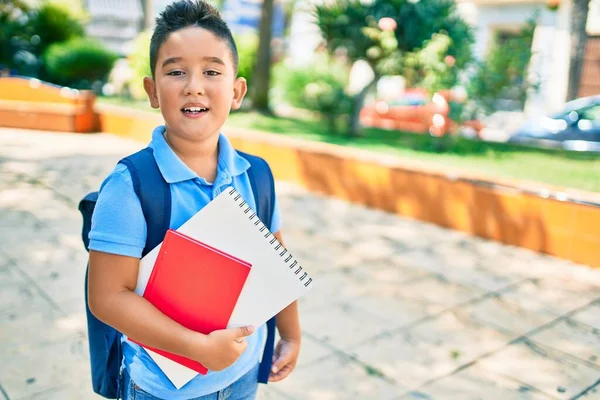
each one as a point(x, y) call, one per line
point(276, 278)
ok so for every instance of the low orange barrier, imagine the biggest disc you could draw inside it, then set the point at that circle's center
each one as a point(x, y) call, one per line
point(31, 104)
point(563, 224)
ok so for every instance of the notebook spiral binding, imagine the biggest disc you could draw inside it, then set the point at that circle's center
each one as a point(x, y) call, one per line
point(289, 259)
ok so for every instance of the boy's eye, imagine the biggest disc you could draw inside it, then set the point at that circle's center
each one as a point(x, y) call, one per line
point(175, 73)
point(212, 73)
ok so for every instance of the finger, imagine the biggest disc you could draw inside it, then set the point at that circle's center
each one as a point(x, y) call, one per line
point(281, 375)
point(244, 331)
point(280, 362)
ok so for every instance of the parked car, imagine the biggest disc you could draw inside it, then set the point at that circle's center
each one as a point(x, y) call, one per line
point(414, 111)
point(576, 127)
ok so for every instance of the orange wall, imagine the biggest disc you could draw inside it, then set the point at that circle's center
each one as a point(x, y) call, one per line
point(564, 229)
point(128, 123)
point(32, 104)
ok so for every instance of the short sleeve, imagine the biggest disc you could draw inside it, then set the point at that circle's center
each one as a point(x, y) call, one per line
point(276, 218)
point(118, 224)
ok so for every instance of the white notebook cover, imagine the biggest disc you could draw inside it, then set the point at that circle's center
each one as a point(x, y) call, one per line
point(276, 278)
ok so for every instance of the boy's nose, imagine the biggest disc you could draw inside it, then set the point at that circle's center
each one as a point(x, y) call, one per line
point(194, 86)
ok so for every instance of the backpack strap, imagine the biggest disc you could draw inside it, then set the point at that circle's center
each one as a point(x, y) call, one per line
point(154, 194)
point(263, 188)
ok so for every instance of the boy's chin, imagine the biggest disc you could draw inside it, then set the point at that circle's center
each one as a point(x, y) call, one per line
point(196, 129)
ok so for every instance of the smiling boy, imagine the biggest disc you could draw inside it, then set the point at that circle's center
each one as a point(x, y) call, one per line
point(194, 83)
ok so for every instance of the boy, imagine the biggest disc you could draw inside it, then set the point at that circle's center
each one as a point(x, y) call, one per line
point(194, 61)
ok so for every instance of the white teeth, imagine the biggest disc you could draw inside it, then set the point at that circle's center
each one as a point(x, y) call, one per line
point(195, 109)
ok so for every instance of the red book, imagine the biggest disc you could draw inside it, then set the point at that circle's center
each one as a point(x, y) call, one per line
point(195, 285)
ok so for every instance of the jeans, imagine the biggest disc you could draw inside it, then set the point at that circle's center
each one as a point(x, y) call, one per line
point(243, 389)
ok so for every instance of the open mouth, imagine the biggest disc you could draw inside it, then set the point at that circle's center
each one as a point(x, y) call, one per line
point(194, 110)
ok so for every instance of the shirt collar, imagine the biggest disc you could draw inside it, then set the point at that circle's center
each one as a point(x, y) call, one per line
point(230, 163)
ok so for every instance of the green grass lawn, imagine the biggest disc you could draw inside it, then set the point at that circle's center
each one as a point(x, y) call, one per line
point(574, 170)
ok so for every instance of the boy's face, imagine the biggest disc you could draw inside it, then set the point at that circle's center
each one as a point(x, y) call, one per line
point(194, 85)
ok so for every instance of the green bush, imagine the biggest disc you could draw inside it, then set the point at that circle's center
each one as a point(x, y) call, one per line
point(319, 87)
point(78, 63)
point(54, 23)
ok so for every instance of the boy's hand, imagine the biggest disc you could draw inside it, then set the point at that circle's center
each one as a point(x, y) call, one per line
point(284, 359)
point(223, 347)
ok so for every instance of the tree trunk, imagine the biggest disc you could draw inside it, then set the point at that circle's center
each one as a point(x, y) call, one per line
point(262, 69)
point(148, 13)
point(579, 18)
point(358, 102)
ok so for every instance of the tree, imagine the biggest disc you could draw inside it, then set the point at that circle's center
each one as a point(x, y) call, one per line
point(16, 32)
point(503, 72)
point(262, 71)
point(148, 15)
point(385, 32)
point(579, 19)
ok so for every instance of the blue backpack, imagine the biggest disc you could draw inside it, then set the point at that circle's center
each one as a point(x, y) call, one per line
point(155, 196)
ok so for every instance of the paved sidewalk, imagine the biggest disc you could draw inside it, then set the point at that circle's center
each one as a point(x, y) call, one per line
point(400, 309)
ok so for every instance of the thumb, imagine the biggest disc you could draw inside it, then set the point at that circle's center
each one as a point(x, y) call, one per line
point(244, 331)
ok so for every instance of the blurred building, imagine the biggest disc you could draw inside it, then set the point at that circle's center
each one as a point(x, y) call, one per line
point(243, 16)
point(551, 46)
point(116, 23)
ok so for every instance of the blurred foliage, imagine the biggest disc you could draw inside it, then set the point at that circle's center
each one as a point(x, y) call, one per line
point(431, 67)
point(503, 72)
point(319, 87)
point(247, 46)
point(54, 23)
point(139, 62)
point(352, 25)
point(17, 45)
point(426, 33)
point(80, 63)
point(48, 42)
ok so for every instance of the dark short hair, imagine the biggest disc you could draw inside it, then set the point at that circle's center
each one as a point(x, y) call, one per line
point(185, 13)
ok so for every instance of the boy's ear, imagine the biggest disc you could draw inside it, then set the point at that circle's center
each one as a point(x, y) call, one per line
point(150, 88)
point(240, 87)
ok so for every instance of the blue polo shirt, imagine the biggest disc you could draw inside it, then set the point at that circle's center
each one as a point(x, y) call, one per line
point(119, 227)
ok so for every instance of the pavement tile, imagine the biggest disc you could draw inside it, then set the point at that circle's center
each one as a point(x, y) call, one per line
point(553, 372)
point(338, 378)
point(511, 317)
point(475, 383)
point(64, 392)
point(589, 315)
point(559, 296)
point(573, 338)
point(430, 349)
point(39, 367)
point(331, 288)
point(428, 291)
point(349, 327)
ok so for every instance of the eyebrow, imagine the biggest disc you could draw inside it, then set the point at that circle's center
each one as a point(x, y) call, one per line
point(216, 60)
point(171, 60)
point(174, 60)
